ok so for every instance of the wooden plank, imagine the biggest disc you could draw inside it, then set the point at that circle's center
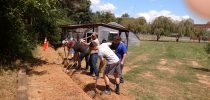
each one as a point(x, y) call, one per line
point(22, 85)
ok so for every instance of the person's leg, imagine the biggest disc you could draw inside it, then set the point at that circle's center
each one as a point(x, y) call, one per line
point(87, 60)
point(81, 56)
point(117, 88)
point(121, 78)
point(94, 64)
point(117, 78)
point(91, 64)
point(106, 80)
point(107, 88)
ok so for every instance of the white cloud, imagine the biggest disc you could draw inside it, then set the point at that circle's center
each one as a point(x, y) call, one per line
point(151, 15)
point(97, 5)
point(95, 2)
point(107, 7)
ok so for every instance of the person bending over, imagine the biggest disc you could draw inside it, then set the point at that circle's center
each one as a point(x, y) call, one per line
point(112, 66)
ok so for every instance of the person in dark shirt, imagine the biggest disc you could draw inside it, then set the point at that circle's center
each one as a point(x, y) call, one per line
point(79, 48)
point(121, 51)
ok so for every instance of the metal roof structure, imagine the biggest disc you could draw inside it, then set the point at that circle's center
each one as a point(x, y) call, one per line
point(116, 27)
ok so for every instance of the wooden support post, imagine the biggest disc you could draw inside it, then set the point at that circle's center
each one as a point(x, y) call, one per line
point(127, 36)
point(120, 32)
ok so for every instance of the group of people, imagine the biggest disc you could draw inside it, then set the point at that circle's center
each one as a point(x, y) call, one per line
point(93, 50)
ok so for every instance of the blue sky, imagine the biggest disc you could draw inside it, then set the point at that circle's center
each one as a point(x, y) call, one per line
point(150, 9)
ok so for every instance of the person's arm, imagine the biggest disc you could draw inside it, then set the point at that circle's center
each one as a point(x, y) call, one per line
point(124, 50)
point(76, 56)
point(68, 51)
point(123, 59)
point(102, 63)
point(85, 43)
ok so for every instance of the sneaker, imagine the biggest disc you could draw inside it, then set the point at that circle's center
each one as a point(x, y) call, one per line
point(107, 92)
point(91, 74)
point(117, 91)
point(121, 80)
point(96, 77)
point(86, 69)
point(78, 69)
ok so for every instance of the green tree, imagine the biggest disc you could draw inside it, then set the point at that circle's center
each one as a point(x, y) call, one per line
point(199, 32)
point(44, 17)
point(125, 15)
point(162, 24)
point(128, 23)
point(78, 11)
point(140, 25)
point(14, 42)
point(23, 21)
point(183, 28)
point(104, 17)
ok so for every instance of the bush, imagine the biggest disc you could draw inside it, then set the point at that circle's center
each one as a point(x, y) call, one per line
point(208, 48)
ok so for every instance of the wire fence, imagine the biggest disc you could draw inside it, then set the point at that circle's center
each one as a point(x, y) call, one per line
point(166, 38)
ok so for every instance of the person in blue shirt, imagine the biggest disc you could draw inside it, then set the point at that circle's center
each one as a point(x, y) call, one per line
point(121, 52)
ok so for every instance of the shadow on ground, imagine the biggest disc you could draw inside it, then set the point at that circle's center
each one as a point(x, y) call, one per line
point(201, 69)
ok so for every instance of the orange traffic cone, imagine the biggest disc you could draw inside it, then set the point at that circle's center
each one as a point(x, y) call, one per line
point(45, 43)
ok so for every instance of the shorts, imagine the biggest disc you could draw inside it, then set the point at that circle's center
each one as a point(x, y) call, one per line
point(112, 69)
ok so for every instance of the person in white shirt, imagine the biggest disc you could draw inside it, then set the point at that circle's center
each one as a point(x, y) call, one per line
point(112, 66)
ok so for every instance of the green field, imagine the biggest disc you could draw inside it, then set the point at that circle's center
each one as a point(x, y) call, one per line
point(168, 71)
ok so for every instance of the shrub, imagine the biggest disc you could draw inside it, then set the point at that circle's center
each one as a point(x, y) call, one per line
point(207, 48)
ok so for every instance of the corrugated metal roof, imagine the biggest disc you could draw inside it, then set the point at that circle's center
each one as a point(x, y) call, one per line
point(110, 25)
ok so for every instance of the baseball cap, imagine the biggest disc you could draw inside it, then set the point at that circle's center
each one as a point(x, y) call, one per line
point(71, 43)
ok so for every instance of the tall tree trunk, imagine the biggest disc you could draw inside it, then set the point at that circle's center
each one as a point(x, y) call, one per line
point(158, 37)
point(177, 38)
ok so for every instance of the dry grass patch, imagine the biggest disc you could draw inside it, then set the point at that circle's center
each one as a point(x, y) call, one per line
point(165, 92)
point(204, 79)
point(163, 61)
point(126, 69)
point(178, 63)
point(8, 85)
point(195, 64)
point(147, 74)
point(144, 58)
point(166, 69)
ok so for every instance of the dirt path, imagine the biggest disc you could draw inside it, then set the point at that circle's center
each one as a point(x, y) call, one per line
point(47, 81)
point(88, 84)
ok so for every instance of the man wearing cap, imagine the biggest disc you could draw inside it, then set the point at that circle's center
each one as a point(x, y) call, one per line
point(112, 66)
point(79, 48)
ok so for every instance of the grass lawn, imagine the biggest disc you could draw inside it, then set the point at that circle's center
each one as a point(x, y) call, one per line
point(169, 71)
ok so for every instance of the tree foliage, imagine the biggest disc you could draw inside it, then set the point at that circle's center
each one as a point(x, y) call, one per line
point(199, 32)
point(78, 11)
point(162, 24)
point(103, 17)
point(183, 28)
point(207, 48)
point(24, 22)
point(125, 15)
point(137, 25)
